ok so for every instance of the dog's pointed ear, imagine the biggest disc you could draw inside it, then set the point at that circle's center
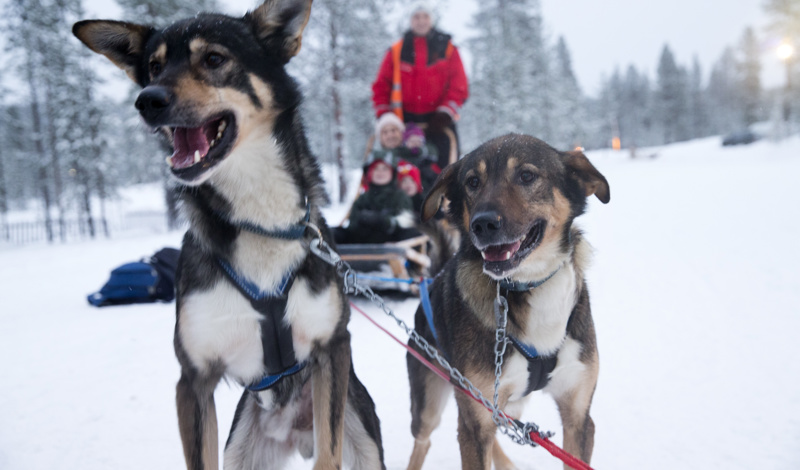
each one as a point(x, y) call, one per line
point(592, 181)
point(433, 201)
point(279, 24)
point(123, 43)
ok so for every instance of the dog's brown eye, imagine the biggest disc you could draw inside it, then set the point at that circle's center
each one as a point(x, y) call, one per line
point(214, 60)
point(527, 177)
point(155, 68)
point(473, 182)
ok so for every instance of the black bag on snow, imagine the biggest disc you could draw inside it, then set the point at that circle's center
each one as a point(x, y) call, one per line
point(148, 280)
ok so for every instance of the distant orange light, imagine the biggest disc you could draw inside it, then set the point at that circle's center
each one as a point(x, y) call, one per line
point(616, 144)
point(579, 149)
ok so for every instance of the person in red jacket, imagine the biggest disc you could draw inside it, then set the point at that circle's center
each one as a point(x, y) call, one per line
point(422, 80)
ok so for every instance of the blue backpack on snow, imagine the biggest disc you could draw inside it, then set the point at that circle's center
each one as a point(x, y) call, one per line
point(148, 280)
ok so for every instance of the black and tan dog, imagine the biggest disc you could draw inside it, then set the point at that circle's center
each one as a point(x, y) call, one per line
point(514, 200)
point(253, 305)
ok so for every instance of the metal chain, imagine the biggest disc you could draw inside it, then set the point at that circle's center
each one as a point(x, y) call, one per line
point(501, 342)
point(516, 430)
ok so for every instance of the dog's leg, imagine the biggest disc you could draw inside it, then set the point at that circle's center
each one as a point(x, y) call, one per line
point(330, 379)
point(197, 421)
point(476, 433)
point(363, 445)
point(260, 435)
point(499, 458)
point(574, 409)
point(429, 395)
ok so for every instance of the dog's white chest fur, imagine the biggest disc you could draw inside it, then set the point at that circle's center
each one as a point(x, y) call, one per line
point(219, 326)
point(550, 305)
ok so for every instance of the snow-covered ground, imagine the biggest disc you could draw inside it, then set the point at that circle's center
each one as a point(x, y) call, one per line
point(695, 291)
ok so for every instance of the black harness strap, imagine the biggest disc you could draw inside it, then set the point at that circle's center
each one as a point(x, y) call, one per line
point(539, 367)
point(276, 334)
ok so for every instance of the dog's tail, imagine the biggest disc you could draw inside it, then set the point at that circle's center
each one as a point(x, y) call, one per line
point(445, 239)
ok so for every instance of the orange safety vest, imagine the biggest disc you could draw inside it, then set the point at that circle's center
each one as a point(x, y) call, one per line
point(396, 97)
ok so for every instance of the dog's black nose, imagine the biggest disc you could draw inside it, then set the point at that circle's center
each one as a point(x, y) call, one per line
point(486, 223)
point(153, 101)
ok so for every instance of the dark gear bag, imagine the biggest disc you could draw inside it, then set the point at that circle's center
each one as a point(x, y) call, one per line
point(148, 280)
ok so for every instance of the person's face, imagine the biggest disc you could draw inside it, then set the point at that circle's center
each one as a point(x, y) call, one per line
point(414, 141)
point(391, 136)
point(421, 23)
point(381, 174)
point(408, 186)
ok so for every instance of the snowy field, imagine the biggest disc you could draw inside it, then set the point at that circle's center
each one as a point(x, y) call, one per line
point(695, 291)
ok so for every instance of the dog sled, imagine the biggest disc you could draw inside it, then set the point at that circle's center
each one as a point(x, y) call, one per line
point(390, 266)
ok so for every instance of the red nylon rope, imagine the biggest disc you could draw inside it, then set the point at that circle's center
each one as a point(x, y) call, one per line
point(547, 444)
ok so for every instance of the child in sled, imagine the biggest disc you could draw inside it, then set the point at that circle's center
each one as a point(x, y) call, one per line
point(416, 151)
point(408, 179)
point(383, 213)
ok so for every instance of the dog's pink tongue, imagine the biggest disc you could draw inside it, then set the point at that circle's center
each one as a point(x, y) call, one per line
point(187, 142)
point(500, 252)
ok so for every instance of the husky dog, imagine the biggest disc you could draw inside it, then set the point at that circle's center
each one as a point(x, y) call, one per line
point(253, 305)
point(514, 200)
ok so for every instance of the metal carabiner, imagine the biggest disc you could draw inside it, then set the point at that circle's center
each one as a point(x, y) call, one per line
point(324, 252)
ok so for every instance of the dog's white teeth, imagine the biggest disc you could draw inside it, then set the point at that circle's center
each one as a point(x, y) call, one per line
point(483, 254)
point(212, 143)
point(222, 126)
point(169, 162)
point(197, 156)
point(508, 255)
point(523, 238)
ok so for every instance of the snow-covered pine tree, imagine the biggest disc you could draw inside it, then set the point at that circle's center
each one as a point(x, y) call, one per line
point(161, 13)
point(636, 110)
point(698, 102)
point(749, 77)
point(723, 94)
point(785, 24)
point(64, 117)
point(568, 114)
point(672, 98)
point(21, 23)
point(612, 108)
point(3, 179)
point(511, 86)
point(343, 46)
point(20, 168)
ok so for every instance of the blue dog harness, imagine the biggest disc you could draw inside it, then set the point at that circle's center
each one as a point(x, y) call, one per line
point(539, 367)
point(276, 334)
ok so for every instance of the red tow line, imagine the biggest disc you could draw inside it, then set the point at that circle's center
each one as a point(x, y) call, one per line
point(547, 444)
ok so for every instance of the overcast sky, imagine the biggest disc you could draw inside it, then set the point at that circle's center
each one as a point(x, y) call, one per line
point(604, 34)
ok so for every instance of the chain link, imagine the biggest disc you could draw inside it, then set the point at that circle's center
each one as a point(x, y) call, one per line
point(516, 430)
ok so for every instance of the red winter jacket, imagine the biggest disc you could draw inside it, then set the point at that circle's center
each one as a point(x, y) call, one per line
point(432, 76)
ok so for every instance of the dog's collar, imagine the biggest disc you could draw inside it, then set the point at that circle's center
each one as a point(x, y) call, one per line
point(513, 286)
point(293, 232)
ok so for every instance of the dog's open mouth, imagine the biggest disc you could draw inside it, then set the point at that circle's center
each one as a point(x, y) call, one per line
point(196, 149)
point(499, 259)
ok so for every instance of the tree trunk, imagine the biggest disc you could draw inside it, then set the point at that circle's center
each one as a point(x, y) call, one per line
point(3, 198)
point(338, 135)
point(103, 195)
point(55, 157)
point(38, 145)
